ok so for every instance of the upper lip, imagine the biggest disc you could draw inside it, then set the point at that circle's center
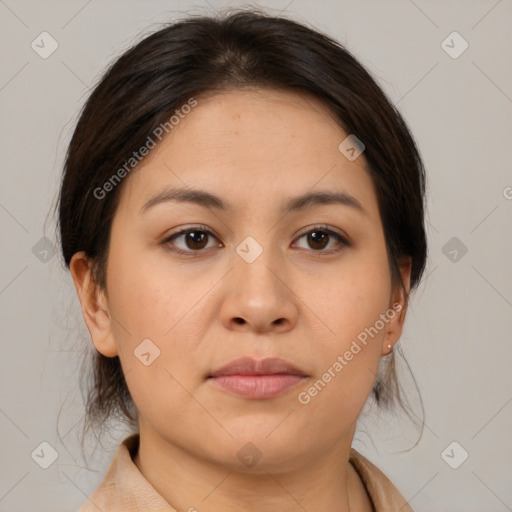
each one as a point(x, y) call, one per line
point(249, 366)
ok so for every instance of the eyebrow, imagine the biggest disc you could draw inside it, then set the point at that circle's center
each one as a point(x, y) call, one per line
point(209, 200)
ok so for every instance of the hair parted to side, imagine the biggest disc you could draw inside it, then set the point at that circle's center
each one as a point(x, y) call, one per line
point(200, 55)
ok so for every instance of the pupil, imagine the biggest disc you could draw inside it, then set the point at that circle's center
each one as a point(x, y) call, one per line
point(317, 239)
point(323, 237)
point(196, 239)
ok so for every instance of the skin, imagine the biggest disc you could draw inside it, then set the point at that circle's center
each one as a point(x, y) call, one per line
point(254, 149)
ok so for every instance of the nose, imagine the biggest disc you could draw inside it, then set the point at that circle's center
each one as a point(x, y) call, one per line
point(259, 295)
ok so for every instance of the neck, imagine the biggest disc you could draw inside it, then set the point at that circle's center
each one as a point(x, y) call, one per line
point(325, 482)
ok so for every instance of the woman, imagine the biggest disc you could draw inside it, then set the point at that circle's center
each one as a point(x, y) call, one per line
point(242, 214)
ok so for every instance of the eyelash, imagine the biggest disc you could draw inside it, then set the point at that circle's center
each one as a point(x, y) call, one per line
point(200, 228)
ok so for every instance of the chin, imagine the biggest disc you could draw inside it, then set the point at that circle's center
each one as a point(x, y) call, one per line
point(255, 451)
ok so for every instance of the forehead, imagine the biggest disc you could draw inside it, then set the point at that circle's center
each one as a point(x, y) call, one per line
point(252, 144)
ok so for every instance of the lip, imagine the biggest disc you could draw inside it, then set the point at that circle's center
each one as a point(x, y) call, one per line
point(257, 379)
point(250, 366)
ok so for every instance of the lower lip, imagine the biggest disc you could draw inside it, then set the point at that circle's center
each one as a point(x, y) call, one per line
point(257, 386)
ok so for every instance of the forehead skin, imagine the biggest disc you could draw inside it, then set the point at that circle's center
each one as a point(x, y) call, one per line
point(239, 142)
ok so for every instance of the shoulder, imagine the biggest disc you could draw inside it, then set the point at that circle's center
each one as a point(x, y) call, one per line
point(124, 488)
point(384, 495)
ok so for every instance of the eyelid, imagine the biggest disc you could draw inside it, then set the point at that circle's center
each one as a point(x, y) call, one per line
point(188, 229)
point(342, 239)
point(192, 227)
point(327, 228)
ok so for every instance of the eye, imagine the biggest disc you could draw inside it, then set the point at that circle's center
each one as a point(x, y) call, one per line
point(193, 239)
point(319, 237)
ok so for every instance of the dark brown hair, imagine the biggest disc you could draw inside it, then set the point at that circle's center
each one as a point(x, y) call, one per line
point(200, 55)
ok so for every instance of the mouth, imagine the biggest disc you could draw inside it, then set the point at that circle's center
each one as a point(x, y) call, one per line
point(254, 379)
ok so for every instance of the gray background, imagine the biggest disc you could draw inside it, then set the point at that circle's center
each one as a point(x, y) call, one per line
point(457, 337)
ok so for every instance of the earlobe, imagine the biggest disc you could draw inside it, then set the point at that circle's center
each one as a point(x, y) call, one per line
point(398, 307)
point(94, 305)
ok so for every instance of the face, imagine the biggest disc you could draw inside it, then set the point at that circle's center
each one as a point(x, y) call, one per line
point(261, 277)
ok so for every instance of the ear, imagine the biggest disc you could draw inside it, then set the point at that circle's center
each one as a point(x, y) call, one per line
point(398, 304)
point(94, 305)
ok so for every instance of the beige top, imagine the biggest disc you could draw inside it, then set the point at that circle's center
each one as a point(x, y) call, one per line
point(125, 489)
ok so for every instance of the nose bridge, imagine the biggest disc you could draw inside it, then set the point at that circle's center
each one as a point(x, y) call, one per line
point(257, 297)
point(256, 265)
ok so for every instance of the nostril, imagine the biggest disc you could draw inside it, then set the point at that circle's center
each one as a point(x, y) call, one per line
point(239, 320)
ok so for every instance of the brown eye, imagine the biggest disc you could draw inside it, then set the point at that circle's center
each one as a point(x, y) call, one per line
point(318, 239)
point(195, 239)
point(190, 240)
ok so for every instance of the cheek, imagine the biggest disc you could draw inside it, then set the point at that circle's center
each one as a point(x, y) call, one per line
point(152, 327)
point(347, 360)
point(147, 295)
point(353, 299)
point(152, 300)
point(348, 342)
